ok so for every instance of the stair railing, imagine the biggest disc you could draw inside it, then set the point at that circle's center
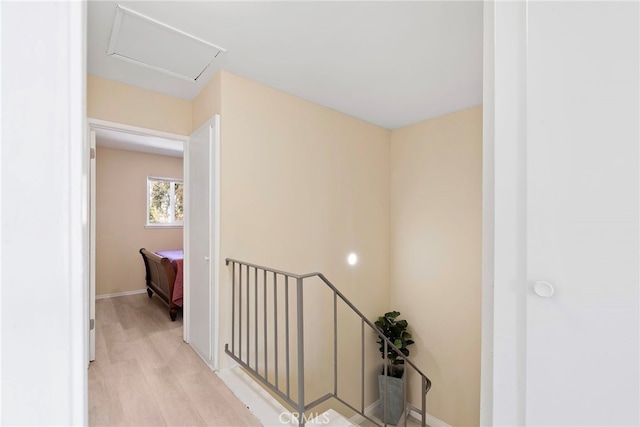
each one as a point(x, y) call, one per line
point(242, 272)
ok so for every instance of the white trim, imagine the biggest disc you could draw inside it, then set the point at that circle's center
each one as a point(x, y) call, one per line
point(503, 349)
point(430, 419)
point(211, 245)
point(135, 130)
point(1, 192)
point(75, 14)
point(210, 125)
point(121, 294)
point(186, 288)
point(413, 413)
point(259, 402)
point(92, 243)
point(215, 327)
point(369, 410)
point(164, 178)
point(488, 214)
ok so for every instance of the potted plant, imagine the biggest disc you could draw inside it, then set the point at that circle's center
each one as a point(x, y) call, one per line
point(391, 386)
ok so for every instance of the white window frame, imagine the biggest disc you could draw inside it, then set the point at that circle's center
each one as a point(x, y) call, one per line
point(172, 202)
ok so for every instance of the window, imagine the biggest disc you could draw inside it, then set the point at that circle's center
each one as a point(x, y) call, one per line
point(165, 202)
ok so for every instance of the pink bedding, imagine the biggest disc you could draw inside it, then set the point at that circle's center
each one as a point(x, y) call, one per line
point(177, 259)
point(178, 285)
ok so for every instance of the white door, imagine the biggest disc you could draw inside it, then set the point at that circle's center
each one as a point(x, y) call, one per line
point(582, 214)
point(565, 296)
point(200, 254)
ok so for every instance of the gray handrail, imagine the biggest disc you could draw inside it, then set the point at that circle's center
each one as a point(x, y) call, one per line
point(271, 270)
point(368, 322)
point(299, 404)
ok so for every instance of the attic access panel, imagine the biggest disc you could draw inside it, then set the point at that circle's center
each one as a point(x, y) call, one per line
point(144, 41)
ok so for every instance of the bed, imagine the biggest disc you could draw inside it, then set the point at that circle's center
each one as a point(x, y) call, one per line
point(164, 277)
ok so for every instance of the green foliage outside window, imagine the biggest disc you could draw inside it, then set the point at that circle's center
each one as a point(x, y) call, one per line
point(179, 190)
point(166, 201)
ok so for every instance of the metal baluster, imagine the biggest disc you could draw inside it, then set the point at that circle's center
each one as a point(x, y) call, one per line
point(362, 364)
point(299, 403)
point(264, 295)
point(233, 307)
point(407, 411)
point(248, 320)
point(255, 303)
point(300, 327)
point(335, 343)
point(286, 328)
point(384, 410)
point(424, 401)
point(240, 312)
point(275, 323)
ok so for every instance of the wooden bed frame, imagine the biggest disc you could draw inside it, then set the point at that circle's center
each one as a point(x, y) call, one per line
point(160, 277)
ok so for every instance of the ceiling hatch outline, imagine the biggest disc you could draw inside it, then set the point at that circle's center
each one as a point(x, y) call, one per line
point(147, 42)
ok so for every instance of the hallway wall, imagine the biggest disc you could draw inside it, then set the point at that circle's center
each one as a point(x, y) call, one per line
point(302, 187)
point(121, 103)
point(436, 256)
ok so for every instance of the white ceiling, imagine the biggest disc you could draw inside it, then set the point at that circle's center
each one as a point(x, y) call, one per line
point(390, 63)
point(133, 142)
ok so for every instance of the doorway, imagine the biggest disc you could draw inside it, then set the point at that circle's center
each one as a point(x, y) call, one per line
point(128, 157)
point(201, 178)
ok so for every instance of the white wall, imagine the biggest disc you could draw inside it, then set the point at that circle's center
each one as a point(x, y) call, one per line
point(43, 319)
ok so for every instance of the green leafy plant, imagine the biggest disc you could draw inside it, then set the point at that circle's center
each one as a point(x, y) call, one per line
point(396, 331)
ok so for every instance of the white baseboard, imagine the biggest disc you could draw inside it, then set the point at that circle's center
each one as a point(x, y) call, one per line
point(430, 419)
point(359, 419)
point(413, 413)
point(260, 403)
point(122, 294)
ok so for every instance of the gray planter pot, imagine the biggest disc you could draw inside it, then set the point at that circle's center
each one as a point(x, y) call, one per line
point(394, 398)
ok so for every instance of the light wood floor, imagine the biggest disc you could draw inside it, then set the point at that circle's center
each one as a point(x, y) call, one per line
point(145, 375)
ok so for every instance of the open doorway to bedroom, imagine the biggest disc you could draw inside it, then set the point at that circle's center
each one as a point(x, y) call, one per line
point(136, 202)
point(143, 184)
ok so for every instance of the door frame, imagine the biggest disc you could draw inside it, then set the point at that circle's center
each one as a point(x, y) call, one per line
point(91, 241)
point(503, 353)
point(52, 126)
point(92, 125)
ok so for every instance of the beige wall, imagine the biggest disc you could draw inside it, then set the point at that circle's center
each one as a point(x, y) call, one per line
point(121, 192)
point(436, 252)
point(121, 103)
point(207, 102)
point(302, 186)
